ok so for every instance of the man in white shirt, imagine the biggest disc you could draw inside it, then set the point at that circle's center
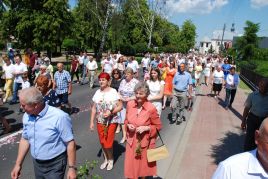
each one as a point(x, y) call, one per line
point(91, 71)
point(145, 63)
point(107, 65)
point(19, 69)
point(81, 59)
point(232, 81)
point(248, 165)
point(133, 64)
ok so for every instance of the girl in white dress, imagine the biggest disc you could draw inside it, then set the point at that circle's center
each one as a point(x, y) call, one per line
point(156, 86)
point(207, 71)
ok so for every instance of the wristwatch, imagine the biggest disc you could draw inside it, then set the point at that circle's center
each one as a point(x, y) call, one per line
point(73, 167)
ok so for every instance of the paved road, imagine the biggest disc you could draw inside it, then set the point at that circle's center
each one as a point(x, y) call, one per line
point(88, 143)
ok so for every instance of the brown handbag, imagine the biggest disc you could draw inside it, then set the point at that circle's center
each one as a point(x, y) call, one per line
point(157, 153)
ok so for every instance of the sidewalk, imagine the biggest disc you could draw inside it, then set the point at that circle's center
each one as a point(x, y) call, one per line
point(212, 135)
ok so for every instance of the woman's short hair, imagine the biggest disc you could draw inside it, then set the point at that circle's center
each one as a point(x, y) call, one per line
point(142, 86)
point(104, 75)
point(129, 70)
point(158, 73)
point(31, 96)
point(117, 71)
point(42, 80)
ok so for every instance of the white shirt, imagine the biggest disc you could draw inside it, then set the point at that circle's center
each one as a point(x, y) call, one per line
point(25, 84)
point(230, 82)
point(19, 69)
point(241, 166)
point(107, 65)
point(180, 61)
point(218, 77)
point(134, 65)
point(145, 62)
point(80, 59)
point(8, 71)
point(92, 65)
point(155, 87)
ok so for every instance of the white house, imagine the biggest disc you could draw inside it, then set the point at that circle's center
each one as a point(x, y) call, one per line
point(215, 41)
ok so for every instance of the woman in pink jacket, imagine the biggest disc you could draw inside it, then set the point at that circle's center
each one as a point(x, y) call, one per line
point(142, 121)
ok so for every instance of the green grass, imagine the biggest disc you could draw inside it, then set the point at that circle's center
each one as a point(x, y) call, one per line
point(243, 85)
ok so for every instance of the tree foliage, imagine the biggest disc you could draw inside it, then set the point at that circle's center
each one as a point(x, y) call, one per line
point(39, 24)
point(247, 44)
point(45, 24)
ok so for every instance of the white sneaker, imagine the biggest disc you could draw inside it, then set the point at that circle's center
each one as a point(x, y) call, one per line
point(103, 165)
point(110, 165)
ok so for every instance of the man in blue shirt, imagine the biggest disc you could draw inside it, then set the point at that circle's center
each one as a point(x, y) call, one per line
point(226, 68)
point(47, 132)
point(155, 62)
point(182, 82)
point(63, 85)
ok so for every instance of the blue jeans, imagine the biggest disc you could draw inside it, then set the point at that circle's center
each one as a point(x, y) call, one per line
point(16, 88)
point(84, 74)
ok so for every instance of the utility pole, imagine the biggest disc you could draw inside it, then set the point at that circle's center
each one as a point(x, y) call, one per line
point(223, 30)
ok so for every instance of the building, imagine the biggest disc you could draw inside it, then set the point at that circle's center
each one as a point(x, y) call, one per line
point(213, 45)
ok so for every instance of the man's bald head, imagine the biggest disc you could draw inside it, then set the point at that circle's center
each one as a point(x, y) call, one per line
point(60, 67)
point(263, 130)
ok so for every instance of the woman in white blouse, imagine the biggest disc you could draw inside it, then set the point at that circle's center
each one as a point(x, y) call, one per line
point(156, 86)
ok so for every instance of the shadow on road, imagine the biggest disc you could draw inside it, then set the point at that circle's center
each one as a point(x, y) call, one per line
point(231, 144)
point(118, 149)
point(233, 110)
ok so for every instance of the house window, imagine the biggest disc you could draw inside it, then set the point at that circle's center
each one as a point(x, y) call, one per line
point(201, 44)
point(207, 45)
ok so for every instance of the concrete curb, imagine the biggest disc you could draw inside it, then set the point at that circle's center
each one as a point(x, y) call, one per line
point(172, 172)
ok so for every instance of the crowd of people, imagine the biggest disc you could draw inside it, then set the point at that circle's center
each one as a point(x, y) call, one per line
point(130, 98)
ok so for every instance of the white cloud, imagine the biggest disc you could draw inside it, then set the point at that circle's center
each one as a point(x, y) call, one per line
point(258, 3)
point(195, 6)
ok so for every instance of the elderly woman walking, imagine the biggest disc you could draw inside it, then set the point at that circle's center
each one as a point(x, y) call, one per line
point(142, 122)
point(126, 92)
point(106, 105)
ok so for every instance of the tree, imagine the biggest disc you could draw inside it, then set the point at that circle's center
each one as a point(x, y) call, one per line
point(246, 44)
point(39, 24)
point(187, 36)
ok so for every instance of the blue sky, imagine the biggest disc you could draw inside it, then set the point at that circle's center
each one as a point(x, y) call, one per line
point(210, 15)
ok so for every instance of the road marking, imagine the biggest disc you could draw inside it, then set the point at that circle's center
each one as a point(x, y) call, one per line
point(9, 136)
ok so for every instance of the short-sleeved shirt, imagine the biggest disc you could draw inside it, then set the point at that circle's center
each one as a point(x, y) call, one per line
point(8, 71)
point(74, 64)
point(52, 99)
point(145, 62)
point(19, 68)
point(154, 63)
point(92, 65)
point(218, 77)
point(25, 84)
point(62, 80)
point(107, 65)
point(226, 68)
point(106, 101)
point(126, 89)
point(48, 132)
point(241, 166)
point(155, 87)
point(182, 80)
point(133, 65)
point(258, 104)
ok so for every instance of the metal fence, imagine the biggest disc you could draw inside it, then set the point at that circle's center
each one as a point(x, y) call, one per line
point(250, 77)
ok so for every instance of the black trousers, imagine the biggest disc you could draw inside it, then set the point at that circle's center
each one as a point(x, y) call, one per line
point(230, 95)
point(51, 169)
point(253, 124)
point(76, 74)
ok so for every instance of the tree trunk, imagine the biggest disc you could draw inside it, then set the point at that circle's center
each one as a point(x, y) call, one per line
point(151, 31)
point(105, 28)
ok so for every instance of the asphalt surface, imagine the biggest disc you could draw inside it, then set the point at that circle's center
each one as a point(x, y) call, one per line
point(88, 147)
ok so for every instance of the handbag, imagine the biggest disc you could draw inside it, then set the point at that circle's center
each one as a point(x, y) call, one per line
point(157, 153)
